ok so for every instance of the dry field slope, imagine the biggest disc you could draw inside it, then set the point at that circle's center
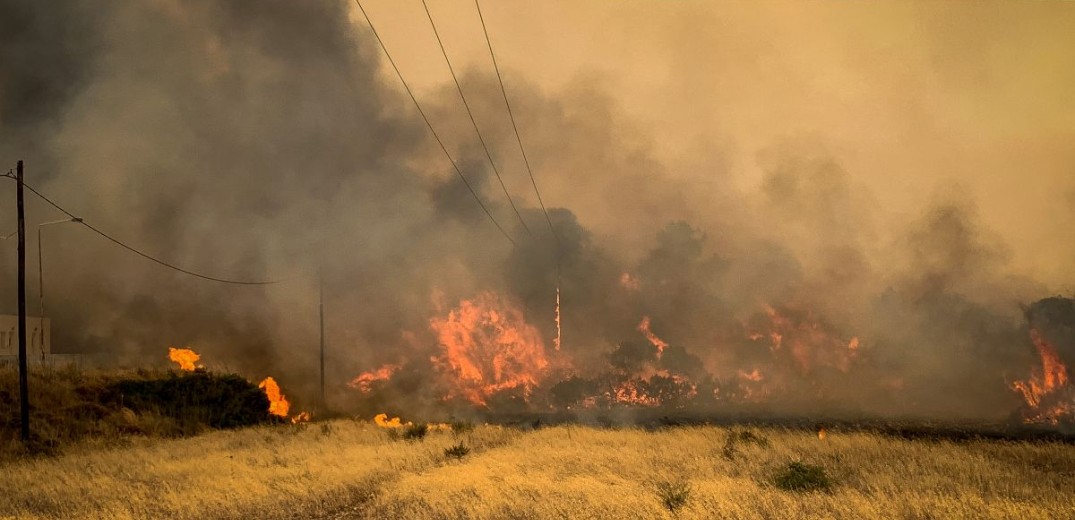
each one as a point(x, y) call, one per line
point(348, 469)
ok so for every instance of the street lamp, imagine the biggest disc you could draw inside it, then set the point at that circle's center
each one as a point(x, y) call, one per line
point(41, 281)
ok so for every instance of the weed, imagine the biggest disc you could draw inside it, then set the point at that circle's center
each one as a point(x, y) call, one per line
point(798, 476)
point(674, 494)
point(737, 437)
point(461, 427)
point(413, 432)
point(458, 451)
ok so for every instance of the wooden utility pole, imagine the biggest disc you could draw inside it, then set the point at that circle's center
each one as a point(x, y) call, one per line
point(24, 385)
point(321, 315)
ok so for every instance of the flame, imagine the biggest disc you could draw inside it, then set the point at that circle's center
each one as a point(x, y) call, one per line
point(278, 404)
point(364, 382)
point(301, 418)
point(754, 376)
point(487, 347)
point(629, 282)
point(821, 433)
point(184, 357)
point(556, 342)
point(659, 389)
point(383, 421)
point(806, 340)
point(1047, 385)
point(643, 327)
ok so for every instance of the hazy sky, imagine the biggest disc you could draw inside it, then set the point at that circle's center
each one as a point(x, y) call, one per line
point(917, 101)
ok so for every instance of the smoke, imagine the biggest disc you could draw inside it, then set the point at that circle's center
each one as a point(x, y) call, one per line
point(257, 139)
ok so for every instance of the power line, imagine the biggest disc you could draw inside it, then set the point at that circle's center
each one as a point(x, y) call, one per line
point(473, 122)
point(147, 256)
point(514, 126)
point(430, 125)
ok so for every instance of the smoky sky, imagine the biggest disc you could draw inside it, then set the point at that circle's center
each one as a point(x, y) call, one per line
point(265, 139)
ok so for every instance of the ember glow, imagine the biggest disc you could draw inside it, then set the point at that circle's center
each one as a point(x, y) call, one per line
point(278, 404)
point(366, 380)
point(1048, 393)
point(488, 347)
point(184, 357)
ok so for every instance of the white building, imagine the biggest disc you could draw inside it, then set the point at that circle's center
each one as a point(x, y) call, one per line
point(38, 340)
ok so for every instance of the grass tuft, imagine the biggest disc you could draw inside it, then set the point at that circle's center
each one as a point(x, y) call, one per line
point(674, 493)
point(738, 437)
point(798, 476)
point(415, 432)
point(458, 451)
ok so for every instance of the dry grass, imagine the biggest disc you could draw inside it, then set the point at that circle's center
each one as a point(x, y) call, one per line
point(344, 469)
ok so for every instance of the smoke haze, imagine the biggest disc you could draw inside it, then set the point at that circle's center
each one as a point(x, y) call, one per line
point(895, 175)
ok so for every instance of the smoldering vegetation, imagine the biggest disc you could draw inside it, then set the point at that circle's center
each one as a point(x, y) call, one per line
point(256, 140)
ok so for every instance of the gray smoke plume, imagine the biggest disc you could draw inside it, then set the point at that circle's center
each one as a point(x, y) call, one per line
point(257, 139)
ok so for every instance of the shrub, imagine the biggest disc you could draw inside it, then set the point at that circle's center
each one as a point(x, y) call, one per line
point(195, 399)
point(413, 432)
point(461, 427)
point(741, 437)
point(674, 494)
point(458, 451)
point(798, 476)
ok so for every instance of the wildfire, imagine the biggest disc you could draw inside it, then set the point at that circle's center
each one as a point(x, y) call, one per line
point(488, 347)
point(364, 382)
point(383, 421)
point(278, 404)
point(556, 342)
point(629, 282)
point(301, 418)
point(1043, 391)
point(806, 340)
point(643, 327)
point(184, 357)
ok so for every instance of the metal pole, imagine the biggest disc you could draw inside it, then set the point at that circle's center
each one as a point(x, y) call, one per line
point(24, 385)
point(321, 313)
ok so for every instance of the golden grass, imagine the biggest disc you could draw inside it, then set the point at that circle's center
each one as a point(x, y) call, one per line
point(344, 469)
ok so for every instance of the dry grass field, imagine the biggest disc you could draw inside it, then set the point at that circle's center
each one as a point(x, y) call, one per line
point(354, 469)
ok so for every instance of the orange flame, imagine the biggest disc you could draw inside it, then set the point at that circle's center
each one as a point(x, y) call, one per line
point(383, 421)
point(629, 282)
point(643, 327)
point(556, 342)
point(807, 341)
point(821, 433)
point(184, 357)
point(364, 382)
point(301, 418)
point(278, 404)
point(487, 347)
point(1045, 384)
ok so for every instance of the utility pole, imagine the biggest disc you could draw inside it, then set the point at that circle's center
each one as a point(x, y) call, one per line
point(24, 385)
point(321, 313)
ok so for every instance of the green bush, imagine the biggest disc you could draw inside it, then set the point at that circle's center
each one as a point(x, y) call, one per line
point(798, 476)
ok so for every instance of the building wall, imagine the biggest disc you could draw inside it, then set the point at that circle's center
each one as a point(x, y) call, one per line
point(38, 338)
